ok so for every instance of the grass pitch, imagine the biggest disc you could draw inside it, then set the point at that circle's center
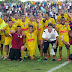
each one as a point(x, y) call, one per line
point(34, 66)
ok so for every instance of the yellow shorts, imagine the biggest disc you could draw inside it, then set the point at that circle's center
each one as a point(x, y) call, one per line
point(31, 50)
point(66, 39)
point(8, 40)
point(2, 39)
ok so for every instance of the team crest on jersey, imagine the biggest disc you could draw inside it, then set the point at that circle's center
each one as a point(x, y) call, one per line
point(65, 18)
point(26, 24)
point(20, 36)
point(32, 34)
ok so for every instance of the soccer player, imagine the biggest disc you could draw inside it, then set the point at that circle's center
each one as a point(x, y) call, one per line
point(50, 35)
point(8, 29)
point(17, 42)
point(2, 36)
point(31, 42)
point(63, 30)
point(15, 20)
point(39, 38)
point(62, 14)
point(48, 20)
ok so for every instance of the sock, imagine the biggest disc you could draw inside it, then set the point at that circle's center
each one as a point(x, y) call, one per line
point(68, 52)
point(5, 54)
point(41, 53)
point(22, 54)
point(49, 51)
point(60, 53)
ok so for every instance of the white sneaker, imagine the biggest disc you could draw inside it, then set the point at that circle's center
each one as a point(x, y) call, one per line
point(4, 58)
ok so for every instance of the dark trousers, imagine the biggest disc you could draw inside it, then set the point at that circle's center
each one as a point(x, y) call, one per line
point(46, 46)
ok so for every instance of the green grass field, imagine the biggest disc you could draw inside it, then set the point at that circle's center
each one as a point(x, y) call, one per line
point(34, 66)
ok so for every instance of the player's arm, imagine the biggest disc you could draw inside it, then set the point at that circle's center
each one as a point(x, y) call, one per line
point(9, 14)
point(44, 36)
point(25, 9)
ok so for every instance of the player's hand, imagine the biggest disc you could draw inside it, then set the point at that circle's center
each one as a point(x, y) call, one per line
point(13, 31)
point(38, 20)
point(26, 6)
point(66, 24)
point(65, 8)
point(54, 47)
point(47, 38)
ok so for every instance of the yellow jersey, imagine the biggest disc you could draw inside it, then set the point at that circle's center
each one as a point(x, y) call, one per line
point(50, 20)
point(67, 19)
point(63, 30)
point(31, 39)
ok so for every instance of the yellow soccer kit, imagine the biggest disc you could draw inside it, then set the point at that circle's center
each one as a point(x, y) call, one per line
point(65, 16)
point(31, 42)
point(50, 20)
point(15, 21)
point(24, 27)
point(3, 24)
point(63, 31)
point(71, 19)
point(40, 31)
point(33, 23)
point(9, 30)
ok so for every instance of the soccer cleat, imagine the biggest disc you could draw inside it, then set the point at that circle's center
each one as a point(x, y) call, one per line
point(69, 60)
point(59, 59)
point(49, 56)
point(45, 59)
point(21, 60)
point(40, 59)
point(4, 58)
point(54, 60)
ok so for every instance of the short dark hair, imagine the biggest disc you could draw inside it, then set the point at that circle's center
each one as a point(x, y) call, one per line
point(9, 20)
point(22, 14)
point(63, 18)
point(31, 26)
point(47, 13)
point(50, 24)
point(15, 13)
point(18, 26)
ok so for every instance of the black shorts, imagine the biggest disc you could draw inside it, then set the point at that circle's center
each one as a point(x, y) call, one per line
point(14, 54)
point(0, 37)
point(46, 46)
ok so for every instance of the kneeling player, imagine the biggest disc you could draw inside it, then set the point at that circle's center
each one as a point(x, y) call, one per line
point(31, 42)
point(17, 42)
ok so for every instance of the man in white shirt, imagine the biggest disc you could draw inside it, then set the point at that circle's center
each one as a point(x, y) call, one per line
point(50, 35)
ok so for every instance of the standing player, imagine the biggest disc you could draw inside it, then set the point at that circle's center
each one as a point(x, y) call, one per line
point(63, 30)
point(17, 42)
point(2, 36)
point(40, 39)
point(8, 29)
point(62, 14)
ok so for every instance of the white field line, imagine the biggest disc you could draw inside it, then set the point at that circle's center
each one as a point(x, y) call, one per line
point(61, 65)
